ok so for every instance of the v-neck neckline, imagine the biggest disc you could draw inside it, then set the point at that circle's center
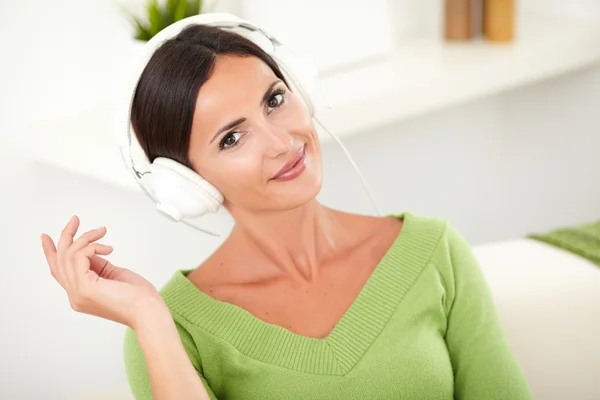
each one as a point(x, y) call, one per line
point(346, 343)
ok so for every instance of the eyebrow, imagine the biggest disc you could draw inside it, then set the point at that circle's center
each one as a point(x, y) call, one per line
point(239, 121)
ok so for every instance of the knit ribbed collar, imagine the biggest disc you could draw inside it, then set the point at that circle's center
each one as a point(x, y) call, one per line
point(343, 347)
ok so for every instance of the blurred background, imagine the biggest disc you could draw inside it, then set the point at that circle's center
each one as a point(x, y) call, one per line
point(497, 131)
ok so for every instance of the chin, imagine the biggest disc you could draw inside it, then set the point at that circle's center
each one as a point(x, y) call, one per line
point(299, 191)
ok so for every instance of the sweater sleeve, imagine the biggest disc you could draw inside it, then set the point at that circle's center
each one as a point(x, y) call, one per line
point(482, 360)
point(137, 372)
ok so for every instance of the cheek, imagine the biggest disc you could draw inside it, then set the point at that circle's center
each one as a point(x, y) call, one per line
point(235, 174)
point(300, 113)
point(295, 119)
point(305, 126)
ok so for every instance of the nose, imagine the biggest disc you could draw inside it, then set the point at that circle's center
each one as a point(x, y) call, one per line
point(278, 141)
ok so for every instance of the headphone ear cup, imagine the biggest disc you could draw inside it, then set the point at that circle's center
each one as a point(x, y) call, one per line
point(179, 191)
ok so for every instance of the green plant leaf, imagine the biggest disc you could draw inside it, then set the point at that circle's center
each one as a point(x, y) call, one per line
point(179, 13)
point(159, 16)
point(155, 18)
point(169, 11)
point(142, 32)
point(194, 7)
point(171, 6)
point(136, 24)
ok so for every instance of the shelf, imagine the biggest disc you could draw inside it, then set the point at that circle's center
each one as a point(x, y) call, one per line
point(423, 76)
point(426, 75)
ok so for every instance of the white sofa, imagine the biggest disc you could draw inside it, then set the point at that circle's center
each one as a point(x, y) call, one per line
point(549, 303)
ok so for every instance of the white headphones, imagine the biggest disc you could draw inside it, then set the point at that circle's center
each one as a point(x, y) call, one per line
point(178, 191)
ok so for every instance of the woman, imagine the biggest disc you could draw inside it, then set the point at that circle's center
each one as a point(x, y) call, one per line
point(301, 301)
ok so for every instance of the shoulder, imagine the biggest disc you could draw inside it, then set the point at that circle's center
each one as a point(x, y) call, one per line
point(451, 253)
point(438, 243)
point(443, 248)
point(443, 237)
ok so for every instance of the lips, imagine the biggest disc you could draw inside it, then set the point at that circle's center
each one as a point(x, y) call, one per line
point(290, 164)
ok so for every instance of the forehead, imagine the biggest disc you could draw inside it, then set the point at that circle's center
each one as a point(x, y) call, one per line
point(234, 79)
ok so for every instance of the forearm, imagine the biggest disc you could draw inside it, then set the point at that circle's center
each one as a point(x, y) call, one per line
point(171, 373)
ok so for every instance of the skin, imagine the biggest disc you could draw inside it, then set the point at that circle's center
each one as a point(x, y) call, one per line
point(289, 260)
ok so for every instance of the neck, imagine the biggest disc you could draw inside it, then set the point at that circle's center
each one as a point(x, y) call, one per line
point(292, 242)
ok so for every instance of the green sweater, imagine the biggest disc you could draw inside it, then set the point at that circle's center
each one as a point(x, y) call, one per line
point(424, 326)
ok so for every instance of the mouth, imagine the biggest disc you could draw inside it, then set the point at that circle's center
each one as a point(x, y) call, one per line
point(292, 168)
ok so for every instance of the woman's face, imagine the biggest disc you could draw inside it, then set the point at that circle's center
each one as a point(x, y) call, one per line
point(253, 139)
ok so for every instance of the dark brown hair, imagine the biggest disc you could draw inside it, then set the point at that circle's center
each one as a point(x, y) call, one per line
point(165, 97)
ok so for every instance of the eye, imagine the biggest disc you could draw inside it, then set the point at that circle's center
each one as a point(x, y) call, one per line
point(230, 140)
point(276, 100)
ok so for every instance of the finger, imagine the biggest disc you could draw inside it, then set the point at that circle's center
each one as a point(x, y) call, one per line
point(87, 238)
point(49, 249)
point(104, 268)
point(97, 248)
point(51, 258)
point(85, 274)
point(97, 263)
point(67, 234)
point(82, 259)
point(50, 254)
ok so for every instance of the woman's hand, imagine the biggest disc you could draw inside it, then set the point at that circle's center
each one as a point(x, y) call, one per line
point(95, 286)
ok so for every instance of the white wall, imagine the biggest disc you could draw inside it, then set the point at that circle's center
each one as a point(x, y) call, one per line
point(497, 168)
point(501, 167)
point(515, 163)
